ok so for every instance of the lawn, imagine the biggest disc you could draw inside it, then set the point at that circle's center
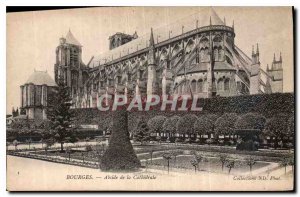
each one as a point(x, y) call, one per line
point(211, 164)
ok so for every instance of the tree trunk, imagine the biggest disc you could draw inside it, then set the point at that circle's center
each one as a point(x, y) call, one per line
point(275, 143)
point(168, 165)
point(61, 147)
point(222, 166)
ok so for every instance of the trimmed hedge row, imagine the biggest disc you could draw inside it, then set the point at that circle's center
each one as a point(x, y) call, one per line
point(264, 104)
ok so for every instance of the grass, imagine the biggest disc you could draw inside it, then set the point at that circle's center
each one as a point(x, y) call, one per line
point(210, 164)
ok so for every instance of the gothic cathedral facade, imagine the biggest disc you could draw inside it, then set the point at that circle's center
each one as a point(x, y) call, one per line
point(204, 62)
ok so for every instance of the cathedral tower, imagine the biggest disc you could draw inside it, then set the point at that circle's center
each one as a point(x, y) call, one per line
point(68, 64)
point(255, 72)
point(276, 74)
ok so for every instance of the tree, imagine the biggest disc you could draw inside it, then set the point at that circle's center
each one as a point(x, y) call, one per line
point(250, 162)
point(167, 157)
point(60, 115)
point(205, 125)
point(69, 151)
point(155, 124)
point(277, 127)
point(175, 154)
point(250, 121)
point(185, 124)
point(169, 125)
point(224, 125)
point(29, 141)
point(230, 165)
point(151, 154)
point(195, 164)
point(292, 162)
point(141, 133)
point(284, 163)
point(120, 154)
point(198, 158)
point(15, 143)
point(223, 160)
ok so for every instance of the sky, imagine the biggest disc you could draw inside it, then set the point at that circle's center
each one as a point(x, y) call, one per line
point(32, 37)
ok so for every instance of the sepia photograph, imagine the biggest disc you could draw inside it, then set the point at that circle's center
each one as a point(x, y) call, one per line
point(150, 99)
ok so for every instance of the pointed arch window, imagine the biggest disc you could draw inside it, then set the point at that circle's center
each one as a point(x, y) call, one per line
point(176, 88)
point(220, 85)
point(179, 89)
point(226, 85)
point(197, 56)
point(194, 86)
point(200, 85)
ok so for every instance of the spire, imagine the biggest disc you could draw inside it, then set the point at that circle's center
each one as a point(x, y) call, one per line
point(257, 49)
point(274, 58)
point(233, 24)
point(280, 58)
point(70, 39)
point(151, 41)
point(252, 49)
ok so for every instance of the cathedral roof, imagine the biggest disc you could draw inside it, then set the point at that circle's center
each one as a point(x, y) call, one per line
point(70, 39)
point(40, 78)
point(205, 17)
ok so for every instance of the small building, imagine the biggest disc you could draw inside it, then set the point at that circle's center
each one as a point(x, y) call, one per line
point(35, 94)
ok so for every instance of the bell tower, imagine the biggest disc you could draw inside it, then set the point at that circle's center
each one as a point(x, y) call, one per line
point(68, 62)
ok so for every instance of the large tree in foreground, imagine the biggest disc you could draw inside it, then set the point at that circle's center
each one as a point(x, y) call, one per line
point(60, 115)
point(120, 154)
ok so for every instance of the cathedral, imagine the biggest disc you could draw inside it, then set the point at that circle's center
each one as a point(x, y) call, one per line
point(201, 59)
